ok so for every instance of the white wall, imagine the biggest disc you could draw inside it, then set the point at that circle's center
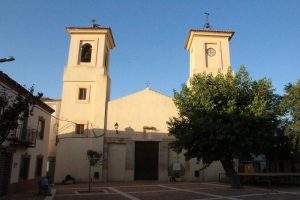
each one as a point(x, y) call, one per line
point(41, 148)
point(72, 157)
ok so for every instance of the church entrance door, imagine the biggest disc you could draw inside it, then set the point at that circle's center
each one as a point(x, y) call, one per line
point(146, 161)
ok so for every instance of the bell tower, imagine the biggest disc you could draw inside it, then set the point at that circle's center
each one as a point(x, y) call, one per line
point(208, 50)
point(84, 101)
point(86, 80)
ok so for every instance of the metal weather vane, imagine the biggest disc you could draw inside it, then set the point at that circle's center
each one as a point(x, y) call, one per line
point(207, 24)
point(94, 25)
point(148, 84)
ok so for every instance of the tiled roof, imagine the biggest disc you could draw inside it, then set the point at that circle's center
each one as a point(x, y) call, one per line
point(87, 27)
point(213, 30)
point(14, 85)
point(49, 99)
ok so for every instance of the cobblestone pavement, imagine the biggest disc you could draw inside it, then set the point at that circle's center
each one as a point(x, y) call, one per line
point(173, 191)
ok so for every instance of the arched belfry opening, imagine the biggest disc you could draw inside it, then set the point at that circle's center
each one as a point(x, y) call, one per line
point(86, 53)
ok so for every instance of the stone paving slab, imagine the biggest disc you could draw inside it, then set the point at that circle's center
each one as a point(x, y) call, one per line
point(172, 195)
point(30, 195)
point(273, 197)
point(140, 188)
point(175, 191)
point(24, 197)
point(90, 197)
point(230, 191)
point(188, 185)
point(77, 190)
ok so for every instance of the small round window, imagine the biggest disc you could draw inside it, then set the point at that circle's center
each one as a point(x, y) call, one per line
point(211, 52)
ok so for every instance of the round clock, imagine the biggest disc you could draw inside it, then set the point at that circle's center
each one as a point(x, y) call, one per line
point(211, 52)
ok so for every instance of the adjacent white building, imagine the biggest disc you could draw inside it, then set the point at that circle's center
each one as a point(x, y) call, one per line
point(24, 156)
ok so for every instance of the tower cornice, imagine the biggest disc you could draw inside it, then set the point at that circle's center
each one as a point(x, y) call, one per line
point(206, 32)
point(94, 30)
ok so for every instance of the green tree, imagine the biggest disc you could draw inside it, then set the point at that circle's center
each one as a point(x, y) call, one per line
point(291, 107)
point(94, 158)
point(224, 117)
point(14, 109)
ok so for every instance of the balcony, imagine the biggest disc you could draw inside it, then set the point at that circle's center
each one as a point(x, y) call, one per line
point(25, 137)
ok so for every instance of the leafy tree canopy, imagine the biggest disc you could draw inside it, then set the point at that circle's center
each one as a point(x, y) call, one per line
point(224, 117)
point(14, 109)
point(291, 107)
point(94, 157)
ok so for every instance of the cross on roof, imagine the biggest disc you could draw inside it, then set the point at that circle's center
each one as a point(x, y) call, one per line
point(94, 25)
point(207, 24)
point(148, 84)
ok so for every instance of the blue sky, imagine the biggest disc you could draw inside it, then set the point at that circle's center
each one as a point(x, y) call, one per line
point(149, 38)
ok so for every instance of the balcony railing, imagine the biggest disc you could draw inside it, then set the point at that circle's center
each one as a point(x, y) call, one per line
point(23, 137)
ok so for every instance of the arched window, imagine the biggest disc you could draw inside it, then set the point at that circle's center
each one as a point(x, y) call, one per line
point(86, 53)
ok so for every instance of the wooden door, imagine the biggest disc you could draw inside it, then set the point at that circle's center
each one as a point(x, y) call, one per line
point(146, 161)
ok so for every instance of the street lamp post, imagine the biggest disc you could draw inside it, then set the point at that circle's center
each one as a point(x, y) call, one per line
point(116, 127)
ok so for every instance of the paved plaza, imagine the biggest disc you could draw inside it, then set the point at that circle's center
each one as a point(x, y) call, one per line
point(173, 191)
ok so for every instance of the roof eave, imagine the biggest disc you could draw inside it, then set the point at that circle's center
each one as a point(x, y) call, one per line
point(14, 85)
point(103, 30)
point(187, 42)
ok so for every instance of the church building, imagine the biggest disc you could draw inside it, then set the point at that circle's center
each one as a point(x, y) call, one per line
point(130, 132)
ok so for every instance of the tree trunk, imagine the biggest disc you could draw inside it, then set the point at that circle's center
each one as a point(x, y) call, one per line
point(231, 173)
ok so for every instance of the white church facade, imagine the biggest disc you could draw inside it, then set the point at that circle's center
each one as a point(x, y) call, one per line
point(131, 132)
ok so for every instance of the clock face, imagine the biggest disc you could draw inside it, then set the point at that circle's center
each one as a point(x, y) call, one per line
point(211, 52)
